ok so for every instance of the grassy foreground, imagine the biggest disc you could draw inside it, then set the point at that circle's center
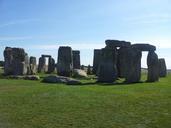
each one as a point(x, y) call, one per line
point(31, 104)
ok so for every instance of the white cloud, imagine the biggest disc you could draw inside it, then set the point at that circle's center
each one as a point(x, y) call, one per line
point(15, 22)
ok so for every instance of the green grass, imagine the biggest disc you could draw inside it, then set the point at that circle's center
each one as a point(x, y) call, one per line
point(32, 104)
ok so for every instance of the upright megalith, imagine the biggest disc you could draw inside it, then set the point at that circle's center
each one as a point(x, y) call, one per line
point(122, 63)
point(162, 68)
point(153, 67)
point(65, 61)
point(107, 71)
point(132, 73)
point(16, 61)
point(33, 66)
point(120, 46)
point(42, 64)
point(96, 60)
point(51, 65)
point(76, 59)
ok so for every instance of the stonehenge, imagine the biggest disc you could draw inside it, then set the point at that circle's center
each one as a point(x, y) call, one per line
point(118, 59)
point(127, 62)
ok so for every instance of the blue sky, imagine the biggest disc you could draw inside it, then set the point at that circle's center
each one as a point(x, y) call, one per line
point(41, 26)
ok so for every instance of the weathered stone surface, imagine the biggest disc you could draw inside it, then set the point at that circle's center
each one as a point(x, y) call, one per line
point(76, 59)
point(132, 71)
point(16, 62)
point(96, 60)
point(162, 68)
point(42, 65)
point(33, 66)
point(8, 57)
point(60, 79)
point(51, 65)
point(153, 67)
point(107, 71)
point(78, 73)
point(117, 43)
point(144, 47)
point(122, 64)
point(65, 61)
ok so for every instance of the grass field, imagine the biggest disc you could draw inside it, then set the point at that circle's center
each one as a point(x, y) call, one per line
point(32, 104)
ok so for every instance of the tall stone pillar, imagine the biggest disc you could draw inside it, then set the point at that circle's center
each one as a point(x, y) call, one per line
point(153, 67)
point(42, 65)
point(65, 61)
point(8, 58)
point(107, 71)
point(51, 65)
point(33, 66)
point(133, 65)
point(16, 62)
point(162, 68)
point(122, 63)
point(96, 60)
point(76, 59)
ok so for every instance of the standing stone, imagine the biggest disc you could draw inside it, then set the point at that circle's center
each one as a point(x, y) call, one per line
point(122, 65)
point(15, 61)
point(27, 65)
point(33, 66)
point(132, 71)
point(76, 59)
point(96, 60)
point(42, 65)
point(65, 61)
point(51, 65)
point(8, 57)
point(162, 68)
point(153, 67)
point(107, 71)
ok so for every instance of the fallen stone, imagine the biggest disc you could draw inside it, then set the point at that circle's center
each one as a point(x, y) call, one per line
point(60, 79)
